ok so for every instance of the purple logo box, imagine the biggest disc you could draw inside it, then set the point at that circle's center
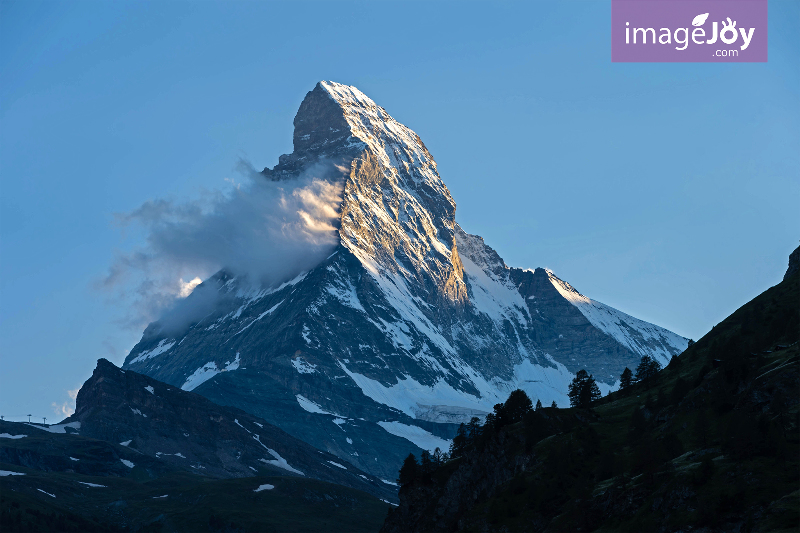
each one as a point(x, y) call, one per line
point(688, 31)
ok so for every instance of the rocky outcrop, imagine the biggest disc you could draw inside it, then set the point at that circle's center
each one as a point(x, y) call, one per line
point(189, 432)
point(794, 263)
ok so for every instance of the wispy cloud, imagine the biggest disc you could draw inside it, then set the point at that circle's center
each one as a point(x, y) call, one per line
point(260, 230)
point(66, 408)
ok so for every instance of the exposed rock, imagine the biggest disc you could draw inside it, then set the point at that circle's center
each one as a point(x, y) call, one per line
point(410, 326)
point(794, 263)
point(187, 431)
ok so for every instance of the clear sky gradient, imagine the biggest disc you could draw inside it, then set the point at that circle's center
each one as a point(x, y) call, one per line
point(668, 191)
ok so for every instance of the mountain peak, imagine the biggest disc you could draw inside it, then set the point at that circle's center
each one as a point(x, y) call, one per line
point(330, 114)
point(424, 319)
point(338, 122)
point(347, 95)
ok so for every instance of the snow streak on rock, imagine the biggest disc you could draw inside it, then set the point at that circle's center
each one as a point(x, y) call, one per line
point(639, 336)
point(411, 324)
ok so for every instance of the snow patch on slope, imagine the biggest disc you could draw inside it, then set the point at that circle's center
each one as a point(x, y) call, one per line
point(495, 297)
point(280, 462)
point(208, 371)
point(417, 435)
point(57, 428)
point(310, 406)
point(262, 315)
point(442, 402)
point(639, 336)
point(162, 347)
point(302, 366)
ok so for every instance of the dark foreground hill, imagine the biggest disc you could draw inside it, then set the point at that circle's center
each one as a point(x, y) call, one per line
point(34, 499)
point(140, 455)
point(709, 444)
point(189, 432)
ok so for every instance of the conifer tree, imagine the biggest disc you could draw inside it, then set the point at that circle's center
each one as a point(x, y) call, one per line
point(648, 368)
point(473, 428)
point(459, 443)
point(538, 404)
point(409, 470)
point(626, 379)
point(516, 406)
point(583, 390)
point(500, 418)
point(426, 463)
point(438, 457)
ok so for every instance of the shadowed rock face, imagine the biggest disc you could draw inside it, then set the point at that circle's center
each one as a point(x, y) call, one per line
point(794, 263)
point(187, 431)
point(409, 327)
point(561, 330)
point(734, 397)
point(320, 132)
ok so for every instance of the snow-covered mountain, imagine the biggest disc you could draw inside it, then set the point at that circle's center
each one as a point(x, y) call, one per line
point(409, 327)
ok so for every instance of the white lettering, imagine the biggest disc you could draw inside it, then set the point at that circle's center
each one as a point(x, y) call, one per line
point(730, 27)
point(644, 34)
point(746, 37)
point(714, 39)
point(685, 41)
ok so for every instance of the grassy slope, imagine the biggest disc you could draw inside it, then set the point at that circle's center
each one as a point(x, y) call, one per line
point(129, 500)
point(711, 442)
point(192, 504)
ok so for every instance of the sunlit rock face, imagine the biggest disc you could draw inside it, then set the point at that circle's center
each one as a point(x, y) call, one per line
point(409, 327)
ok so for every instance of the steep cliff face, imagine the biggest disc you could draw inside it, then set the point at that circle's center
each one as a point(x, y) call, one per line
point(409, 327)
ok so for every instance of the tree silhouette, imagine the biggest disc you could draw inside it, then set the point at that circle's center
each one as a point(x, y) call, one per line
point(626, 379)
point(409, 470)
point(473, 428)
point(648, 368)
point(459, 443)
point(516, 406)
point(583, 390)
point(538, 404)
point(438, 457)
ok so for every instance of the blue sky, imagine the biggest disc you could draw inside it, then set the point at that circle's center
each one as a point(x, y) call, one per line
point(668, 191)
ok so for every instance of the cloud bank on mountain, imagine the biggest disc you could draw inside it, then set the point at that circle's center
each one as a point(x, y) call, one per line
point(260, 230)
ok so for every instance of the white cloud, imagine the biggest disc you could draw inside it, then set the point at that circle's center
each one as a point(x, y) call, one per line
point(263, 230)
point(188, 286)
point(66, 408)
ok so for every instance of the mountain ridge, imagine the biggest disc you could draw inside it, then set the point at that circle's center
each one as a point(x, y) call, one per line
point(710, 443)
point(410, 323)
point(191, 433)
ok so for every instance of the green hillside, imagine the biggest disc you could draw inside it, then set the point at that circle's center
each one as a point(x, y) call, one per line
point(711, 442)
point(181, 502)
point(56, 493)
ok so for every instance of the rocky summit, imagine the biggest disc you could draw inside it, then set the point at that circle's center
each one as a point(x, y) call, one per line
point(409, 327)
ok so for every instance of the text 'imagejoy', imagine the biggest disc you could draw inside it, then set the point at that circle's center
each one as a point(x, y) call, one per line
point(694, 31)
